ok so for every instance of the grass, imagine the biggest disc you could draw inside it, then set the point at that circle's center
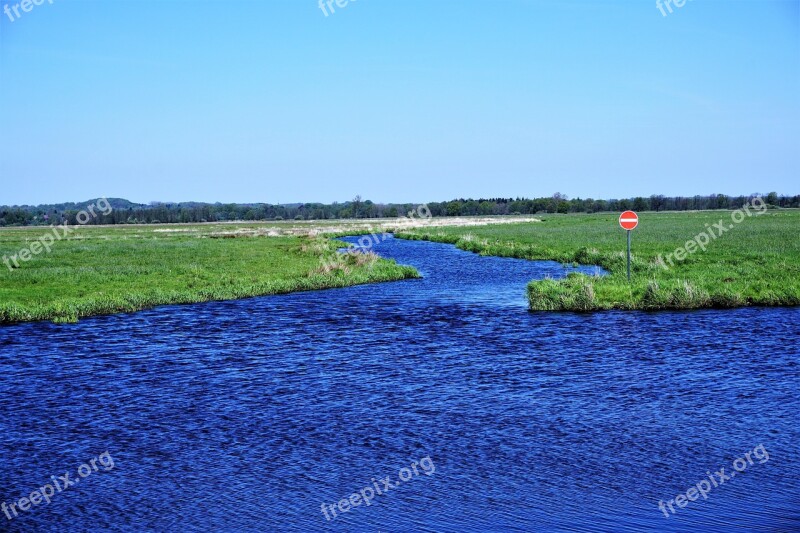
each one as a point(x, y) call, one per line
point(111, 269)
point(757, 262)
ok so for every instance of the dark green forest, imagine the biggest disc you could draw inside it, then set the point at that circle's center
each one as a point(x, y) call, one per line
point(125, 212)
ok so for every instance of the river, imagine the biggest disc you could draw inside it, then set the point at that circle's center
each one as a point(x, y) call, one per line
point(262, 414)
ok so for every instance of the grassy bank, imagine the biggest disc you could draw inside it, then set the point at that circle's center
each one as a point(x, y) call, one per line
point(755, 262)
point(111, 269)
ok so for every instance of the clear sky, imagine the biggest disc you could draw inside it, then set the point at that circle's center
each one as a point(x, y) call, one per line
point(397, 100)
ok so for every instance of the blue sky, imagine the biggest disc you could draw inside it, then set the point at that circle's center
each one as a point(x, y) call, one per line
point(397, 100)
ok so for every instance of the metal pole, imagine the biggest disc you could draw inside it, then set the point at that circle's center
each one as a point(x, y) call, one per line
point(629, 255)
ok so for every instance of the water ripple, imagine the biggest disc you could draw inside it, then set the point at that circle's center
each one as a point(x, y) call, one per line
point(249, 415)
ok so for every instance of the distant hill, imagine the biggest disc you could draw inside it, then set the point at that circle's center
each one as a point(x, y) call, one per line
point(116, 203)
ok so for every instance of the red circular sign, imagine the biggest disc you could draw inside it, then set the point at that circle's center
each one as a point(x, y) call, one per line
point(628, 220)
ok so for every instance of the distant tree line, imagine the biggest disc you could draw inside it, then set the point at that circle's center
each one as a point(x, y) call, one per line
point(125, 212)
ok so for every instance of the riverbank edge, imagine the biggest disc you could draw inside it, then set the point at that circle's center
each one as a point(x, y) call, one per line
point(71, 311)
point(578, 292)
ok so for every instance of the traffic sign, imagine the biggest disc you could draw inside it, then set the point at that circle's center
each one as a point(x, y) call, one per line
point(628, 220)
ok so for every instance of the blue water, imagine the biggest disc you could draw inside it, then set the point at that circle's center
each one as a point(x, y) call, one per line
point(250, 415)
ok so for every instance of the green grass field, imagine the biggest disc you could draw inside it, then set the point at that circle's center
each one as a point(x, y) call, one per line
point(110, 269)
point(756, 262)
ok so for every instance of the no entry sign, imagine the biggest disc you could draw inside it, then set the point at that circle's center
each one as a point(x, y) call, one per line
point(628, 220)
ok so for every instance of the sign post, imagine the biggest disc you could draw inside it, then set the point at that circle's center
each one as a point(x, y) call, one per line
point(629, 255)
point(628, 221)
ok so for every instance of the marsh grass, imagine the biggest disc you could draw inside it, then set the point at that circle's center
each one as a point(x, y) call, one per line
point(347, 262)
point(103, 270)
point(757, 262)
